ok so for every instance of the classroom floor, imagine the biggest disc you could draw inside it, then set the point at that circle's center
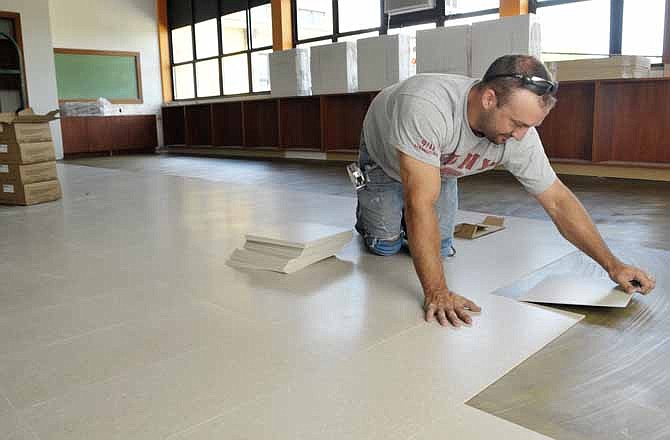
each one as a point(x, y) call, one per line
point(120, 318)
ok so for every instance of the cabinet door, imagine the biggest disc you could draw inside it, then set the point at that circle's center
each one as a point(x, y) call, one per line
point(99, 131)
point(120, 133)
point(75, 139)
point(142, 132)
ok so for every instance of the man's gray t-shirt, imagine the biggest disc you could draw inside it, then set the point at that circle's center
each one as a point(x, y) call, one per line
point(425, 117)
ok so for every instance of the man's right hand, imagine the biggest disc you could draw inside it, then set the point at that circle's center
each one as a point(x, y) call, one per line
point(449, 307)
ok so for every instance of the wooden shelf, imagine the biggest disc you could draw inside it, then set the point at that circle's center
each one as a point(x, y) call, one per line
point(174, 125)
point(620, 121)
point(574, 109)
point(261, 123)
point(198, 124)
point(343, 120)
point(300, 123)
point(227, 128)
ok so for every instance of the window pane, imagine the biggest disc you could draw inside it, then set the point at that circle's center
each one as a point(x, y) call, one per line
point(183, 81)
point(260, 71)
point(234, 32)
point(235, 70)
point(358, 36)
point(207, 77)
point(182, 44)
point(589, 28)
point(261, 26)
point(358, 14)
point(470, 20)
point(461, 7)
point(643, 27)
point(315, 43)
point(315, 18)
point(206, 39)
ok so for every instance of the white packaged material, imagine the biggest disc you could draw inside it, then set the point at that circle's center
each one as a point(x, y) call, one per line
point(290, 247)
point(290, 73)
point(333, 68)
point(444, 50)
point(382, 61)
point(519, 34)
point(619, 66)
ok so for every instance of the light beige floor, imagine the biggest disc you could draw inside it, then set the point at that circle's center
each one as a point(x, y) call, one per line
point(120, 319)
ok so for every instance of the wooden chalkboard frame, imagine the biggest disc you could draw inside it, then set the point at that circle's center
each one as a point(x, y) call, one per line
point(138, 71)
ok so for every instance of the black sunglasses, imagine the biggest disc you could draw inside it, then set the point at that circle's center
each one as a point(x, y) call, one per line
point(535, 84)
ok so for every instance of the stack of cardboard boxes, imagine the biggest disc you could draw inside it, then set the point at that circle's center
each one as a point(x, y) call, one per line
point(27, 159)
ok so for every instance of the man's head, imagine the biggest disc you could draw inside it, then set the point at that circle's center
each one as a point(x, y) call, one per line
point(516, 93)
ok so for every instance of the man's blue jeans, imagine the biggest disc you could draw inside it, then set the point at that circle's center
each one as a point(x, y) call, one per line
point(379, 215)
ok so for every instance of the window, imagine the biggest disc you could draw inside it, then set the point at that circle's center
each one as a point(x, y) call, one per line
point(587, 35)
point(261, 26)
point(359, 36)
point(464, 7)
point(183, 81)
point(234, 32)
point(206, 39)
point(182, 45)
point(470, 20)
point(356, 15)
point(315, 18)
point(219, 47)
point(260, 70)
point(207, 73)
point(643, 28)
point(639, 30)
point(235, 70)
point(316, 23)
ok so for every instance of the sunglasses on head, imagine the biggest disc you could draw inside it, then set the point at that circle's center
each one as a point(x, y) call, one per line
point(535, 84)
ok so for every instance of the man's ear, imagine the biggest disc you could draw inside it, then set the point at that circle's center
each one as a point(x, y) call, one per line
point(489, 99)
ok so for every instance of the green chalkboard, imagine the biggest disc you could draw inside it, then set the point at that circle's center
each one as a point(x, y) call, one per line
point(88, 75)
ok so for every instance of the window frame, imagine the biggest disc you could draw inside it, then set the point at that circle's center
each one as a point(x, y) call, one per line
point(220, 56)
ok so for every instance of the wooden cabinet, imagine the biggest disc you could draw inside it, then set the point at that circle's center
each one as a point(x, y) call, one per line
point(300, 123)
point(75, 137)
point(106, 134)
point(605, 121)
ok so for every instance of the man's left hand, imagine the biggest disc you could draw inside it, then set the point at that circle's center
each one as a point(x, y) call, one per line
point(632, 279)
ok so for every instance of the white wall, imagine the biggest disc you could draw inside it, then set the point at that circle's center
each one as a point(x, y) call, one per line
point(38, 53)
point(123, 25)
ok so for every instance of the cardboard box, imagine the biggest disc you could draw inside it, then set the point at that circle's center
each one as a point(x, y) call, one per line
point(25, 127)
point(444, 50)
point(31, 194)
point(14, 153)
point(25, 174)
point(470, 231)
point(290, 73)
point(519, 34)
point(333, 68)
point(382, 61)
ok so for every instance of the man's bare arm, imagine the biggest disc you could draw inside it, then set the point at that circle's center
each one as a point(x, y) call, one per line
point(576, 225)
point(421, 188)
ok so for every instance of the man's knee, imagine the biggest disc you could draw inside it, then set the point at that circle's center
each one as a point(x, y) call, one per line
point(383, 248)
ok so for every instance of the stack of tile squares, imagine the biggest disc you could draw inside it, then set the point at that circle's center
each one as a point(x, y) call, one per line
point(444, 50)
point(333, 68)
point(291, 247)
point(290, 73)
point(618, 66)
point(382, 61)
point(519, 34)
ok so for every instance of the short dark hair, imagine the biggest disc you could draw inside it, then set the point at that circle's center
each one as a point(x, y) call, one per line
point(515, 64)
